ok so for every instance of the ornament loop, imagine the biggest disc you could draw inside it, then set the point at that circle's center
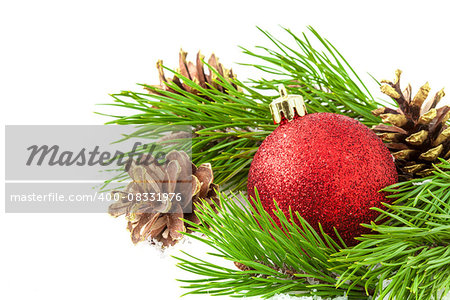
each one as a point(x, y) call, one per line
point(282, 91)
point(287, 106)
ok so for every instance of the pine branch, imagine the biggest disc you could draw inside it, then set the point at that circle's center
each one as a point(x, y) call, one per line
point(288, 259)
point(318, 72)
point(412, 243)
point(227, 131)
point(412, 247)
point(231, 124)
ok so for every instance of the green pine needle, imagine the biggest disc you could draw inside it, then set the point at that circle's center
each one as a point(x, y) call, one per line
point(229, 129)
point(284, 259)
point(411, 244)
point(324, 77)
point(411, 248)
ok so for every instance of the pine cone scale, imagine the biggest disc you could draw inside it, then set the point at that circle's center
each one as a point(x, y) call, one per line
point(194, 72)
point(417, 134)
point(162, 220)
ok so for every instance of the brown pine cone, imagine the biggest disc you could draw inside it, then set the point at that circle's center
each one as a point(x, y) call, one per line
point(418, 133)
point(195, 72)
point(161, 220)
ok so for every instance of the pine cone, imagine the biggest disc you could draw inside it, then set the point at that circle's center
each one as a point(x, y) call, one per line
point(195, 72)
point(418, 135)
point(161, 220)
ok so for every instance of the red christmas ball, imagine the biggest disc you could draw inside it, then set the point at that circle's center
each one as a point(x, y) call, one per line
point(328, 167)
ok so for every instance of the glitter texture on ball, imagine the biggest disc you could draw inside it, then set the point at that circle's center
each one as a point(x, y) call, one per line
point(328, 167)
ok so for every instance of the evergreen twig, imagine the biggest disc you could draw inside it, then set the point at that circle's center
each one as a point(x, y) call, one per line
point(315, 69)
point(288, 259)
point(411, 248)
point(229, 127)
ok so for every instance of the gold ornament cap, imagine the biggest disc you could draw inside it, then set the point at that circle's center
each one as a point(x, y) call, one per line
point(286, 106)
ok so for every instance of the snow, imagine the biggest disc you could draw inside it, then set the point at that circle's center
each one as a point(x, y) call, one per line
point(198, 249)
point(288, 297)
point(422, 182)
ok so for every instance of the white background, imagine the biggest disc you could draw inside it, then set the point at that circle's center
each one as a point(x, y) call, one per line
point(58, 59)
